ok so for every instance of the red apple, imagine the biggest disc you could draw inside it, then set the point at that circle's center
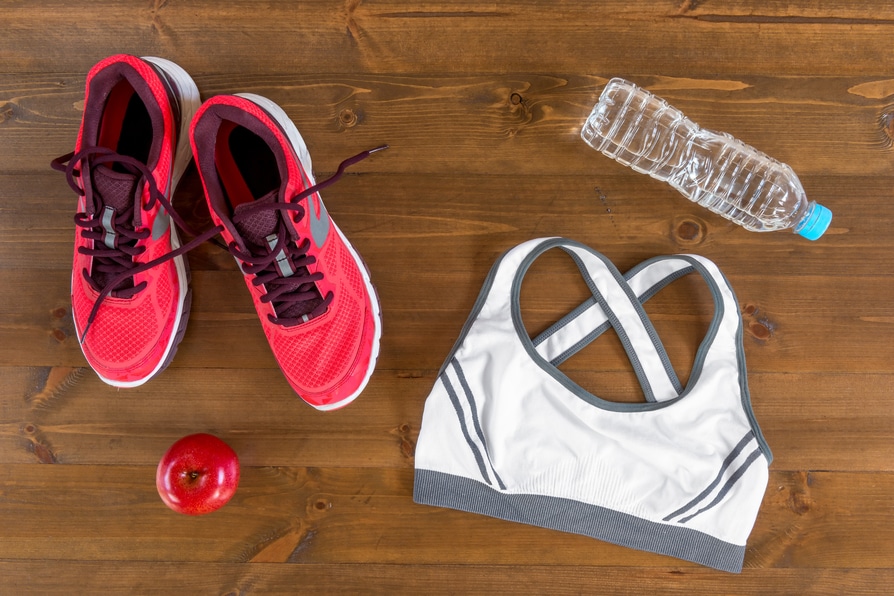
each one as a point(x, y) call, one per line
point(197, 475)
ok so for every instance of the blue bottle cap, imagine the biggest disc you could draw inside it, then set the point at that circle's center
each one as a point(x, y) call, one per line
point(816, 223)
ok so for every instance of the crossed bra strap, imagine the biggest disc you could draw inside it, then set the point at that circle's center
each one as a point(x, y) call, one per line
point(616, 302)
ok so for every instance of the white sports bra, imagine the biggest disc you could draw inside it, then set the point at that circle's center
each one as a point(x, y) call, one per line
point(505, 433)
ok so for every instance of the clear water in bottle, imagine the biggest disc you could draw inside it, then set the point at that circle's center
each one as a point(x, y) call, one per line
point(714, 169)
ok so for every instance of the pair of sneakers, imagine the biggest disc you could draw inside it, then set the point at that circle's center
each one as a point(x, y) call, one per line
point(130, 279)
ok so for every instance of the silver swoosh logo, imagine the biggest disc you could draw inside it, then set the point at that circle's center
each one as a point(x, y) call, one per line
point(319, 223)
point(162, 220)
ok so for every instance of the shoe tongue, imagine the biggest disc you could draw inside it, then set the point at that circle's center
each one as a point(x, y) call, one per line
point(116, 189)
point(255, 228)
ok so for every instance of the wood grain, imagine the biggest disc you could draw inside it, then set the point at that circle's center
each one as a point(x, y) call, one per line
point(355, 36)
point(471, 219)
point(784, 321)
point(481, 105)
point(269, 578)
point(64, 415)
point(504, 124)
point(366, 515)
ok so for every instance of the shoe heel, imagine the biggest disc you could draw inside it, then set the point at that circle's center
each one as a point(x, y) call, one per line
point(189, 98)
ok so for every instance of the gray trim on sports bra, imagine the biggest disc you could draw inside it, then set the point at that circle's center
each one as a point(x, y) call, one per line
point(550, 367)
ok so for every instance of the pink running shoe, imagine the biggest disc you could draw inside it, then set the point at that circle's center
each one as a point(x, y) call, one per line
point(310, 288)
point(131, 151)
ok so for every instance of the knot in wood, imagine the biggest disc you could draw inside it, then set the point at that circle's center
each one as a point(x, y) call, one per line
point(6, 112)
point(348, 118)
point(759, 330)
point(887, 123)
point(689, 230)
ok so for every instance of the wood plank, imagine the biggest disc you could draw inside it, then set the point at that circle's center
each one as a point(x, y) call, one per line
point(362, 515)
point(389, 36)
point(113, 577)
point(790, 317)
point(841, 421)
point(69, 416)
point(470, 220)
point(500, 124)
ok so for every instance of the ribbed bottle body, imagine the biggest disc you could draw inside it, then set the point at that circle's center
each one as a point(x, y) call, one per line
point(715, 170)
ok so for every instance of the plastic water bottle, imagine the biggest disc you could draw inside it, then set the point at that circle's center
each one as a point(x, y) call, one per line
point(713, 169)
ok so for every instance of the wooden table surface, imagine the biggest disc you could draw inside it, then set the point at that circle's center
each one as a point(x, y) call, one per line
point(482, 104)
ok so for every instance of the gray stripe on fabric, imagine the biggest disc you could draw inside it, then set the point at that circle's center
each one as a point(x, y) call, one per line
point(558, 325)
point(590, 337)
point(562, 378)
point(576, 389)
point(632, 354)
point(743, 382)
point(108, 217)
point(566, 515)
point(729, 484)
point(719, 312)
point(636, 302)
point(474, 408)
point(584, 341)
point(662, 283)
point(462, 423)
point(723, 467)
point(283, 267)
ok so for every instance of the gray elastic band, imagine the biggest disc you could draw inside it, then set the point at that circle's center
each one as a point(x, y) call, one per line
point(567, 515)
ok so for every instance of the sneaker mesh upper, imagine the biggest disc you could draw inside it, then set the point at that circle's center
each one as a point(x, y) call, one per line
point(134, 328)
point(328, 351)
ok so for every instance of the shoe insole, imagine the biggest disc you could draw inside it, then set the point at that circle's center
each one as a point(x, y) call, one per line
point(126, 126)
point(245, 164)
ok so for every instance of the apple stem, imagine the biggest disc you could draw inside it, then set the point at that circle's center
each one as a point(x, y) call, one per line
point(193, 475)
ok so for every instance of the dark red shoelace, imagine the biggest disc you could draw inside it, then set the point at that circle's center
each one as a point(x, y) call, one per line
point(119, 264)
